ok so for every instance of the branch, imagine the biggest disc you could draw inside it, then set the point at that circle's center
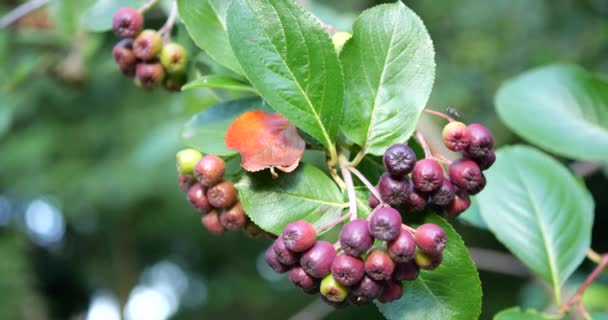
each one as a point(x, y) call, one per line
point(165, 30)
point(147, 6)
point(350, 187)
point(366, 182)
point(439, 114)
point(334, 223)
point(21, 11)
point(424, 144)
point(578, 296)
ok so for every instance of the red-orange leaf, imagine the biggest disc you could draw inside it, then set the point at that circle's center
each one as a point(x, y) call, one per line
point(265, 140)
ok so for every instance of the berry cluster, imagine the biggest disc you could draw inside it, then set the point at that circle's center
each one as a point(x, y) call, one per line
point(415, 185)
point(143, 55)
point(202, 178)
point(357, 272)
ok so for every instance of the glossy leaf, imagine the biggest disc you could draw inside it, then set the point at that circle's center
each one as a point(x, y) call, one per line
point(265, 140)
point(207, 129)
point(452, 291)
point(538, 210)
point(218, 82)
point(516, 313)
point(389, 68)
point(205, 21)
point(561, 108)
point(290, 60)
point(98, 17)
point(305, 194)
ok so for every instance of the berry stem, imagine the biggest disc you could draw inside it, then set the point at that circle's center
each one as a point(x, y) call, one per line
point(424, 144)
point(358, 158)
point(441, 158)
point(350, 187)
point(21, 11)
point(333, 223)
point(577, 297)
point(594, 256)
point(439, 114)
point(147, 6)
point(366, 182)
point(165, 30)
point(408, 228)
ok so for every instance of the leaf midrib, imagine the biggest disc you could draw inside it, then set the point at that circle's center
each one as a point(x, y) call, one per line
point(295, 80)
point(548, 248)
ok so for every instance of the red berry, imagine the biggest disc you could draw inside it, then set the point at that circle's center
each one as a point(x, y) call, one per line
point(394, 191)
point(431, 238)
point(484, 162)
point(445, 194)
point(482, 141)
point(317, 260)
point(406, 271)
point(355, 238)
point(209, 170)
point(373, 202)
point(304, 281)
point(185, 181)
point(456, 136)
point(393, 290)
point(403, 248)
point(271, 259)
point(379, 265)
point(149, 74)
point(198, 199)
point(427, 175)
point(234, 218)
point(465, 174)
point(148, 45)
point(347, 270)
point(416, 201)
point(222, 195)
point(127, 22)
point(385, 224)
point(284, 255)
point(460, 204)
point(124, 57)
point(365, 291)
point(211, 221)
point(299, 236)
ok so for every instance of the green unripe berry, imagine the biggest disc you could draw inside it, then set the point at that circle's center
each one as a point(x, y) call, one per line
point(332, 290)
point(187, 160)
point(148, 45)
point(174, 58)
point(339, 39)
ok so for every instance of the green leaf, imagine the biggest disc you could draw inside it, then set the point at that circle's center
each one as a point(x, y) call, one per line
point(516, 313)
point(538, 210)
point(218, 82)
point(305, 194)
point(205, 21)
point(291, 61)
point(98, 17)
point(389, 68)
point(206, 130)
point(561, 108)
point(452, 291)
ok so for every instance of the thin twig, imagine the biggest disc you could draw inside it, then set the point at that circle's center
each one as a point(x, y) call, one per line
point(408, 228)
point(578, 296)
point(21, 11)
point(594, 256)
point(358, 158)
point(165, 30)
point(366, 182)
point(334, 223)
point(424, 144)
point(350, 187)
point(439, 114)
point(585, 169)
point(147, 6)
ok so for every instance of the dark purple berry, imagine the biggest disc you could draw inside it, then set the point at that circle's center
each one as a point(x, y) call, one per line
point(394, 191)
point(427, 175)
point(482, 141)
point(317, 260)
point(484, 162)
point(209, 170)
point(456, 136)
point(385, 224)
point(198, 199)
point(379, 265)
point(271, 259)
point(416, 201)
point(431, 238)
point(403, 248)
point(127, 22)
point(125, 58)
point(284, 255)
point(347, 270)
point(426, 261)
point(365, 291)
point(234, 218)
point(185, 181)
point(406, 271)
point(355, 238)
point(299, 236)
point(445, 194)
point(393, 290)
point(148, 45)
point(465, 174)
point(211, 221)
point(304, 281)
point(399, 160)
point(373, 202)
point(149, 75)
point(460, 204)
point(222, 195)
point(480, 186)
point(332, 290)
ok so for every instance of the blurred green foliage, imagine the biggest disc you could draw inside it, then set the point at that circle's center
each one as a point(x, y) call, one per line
point(78, 137)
